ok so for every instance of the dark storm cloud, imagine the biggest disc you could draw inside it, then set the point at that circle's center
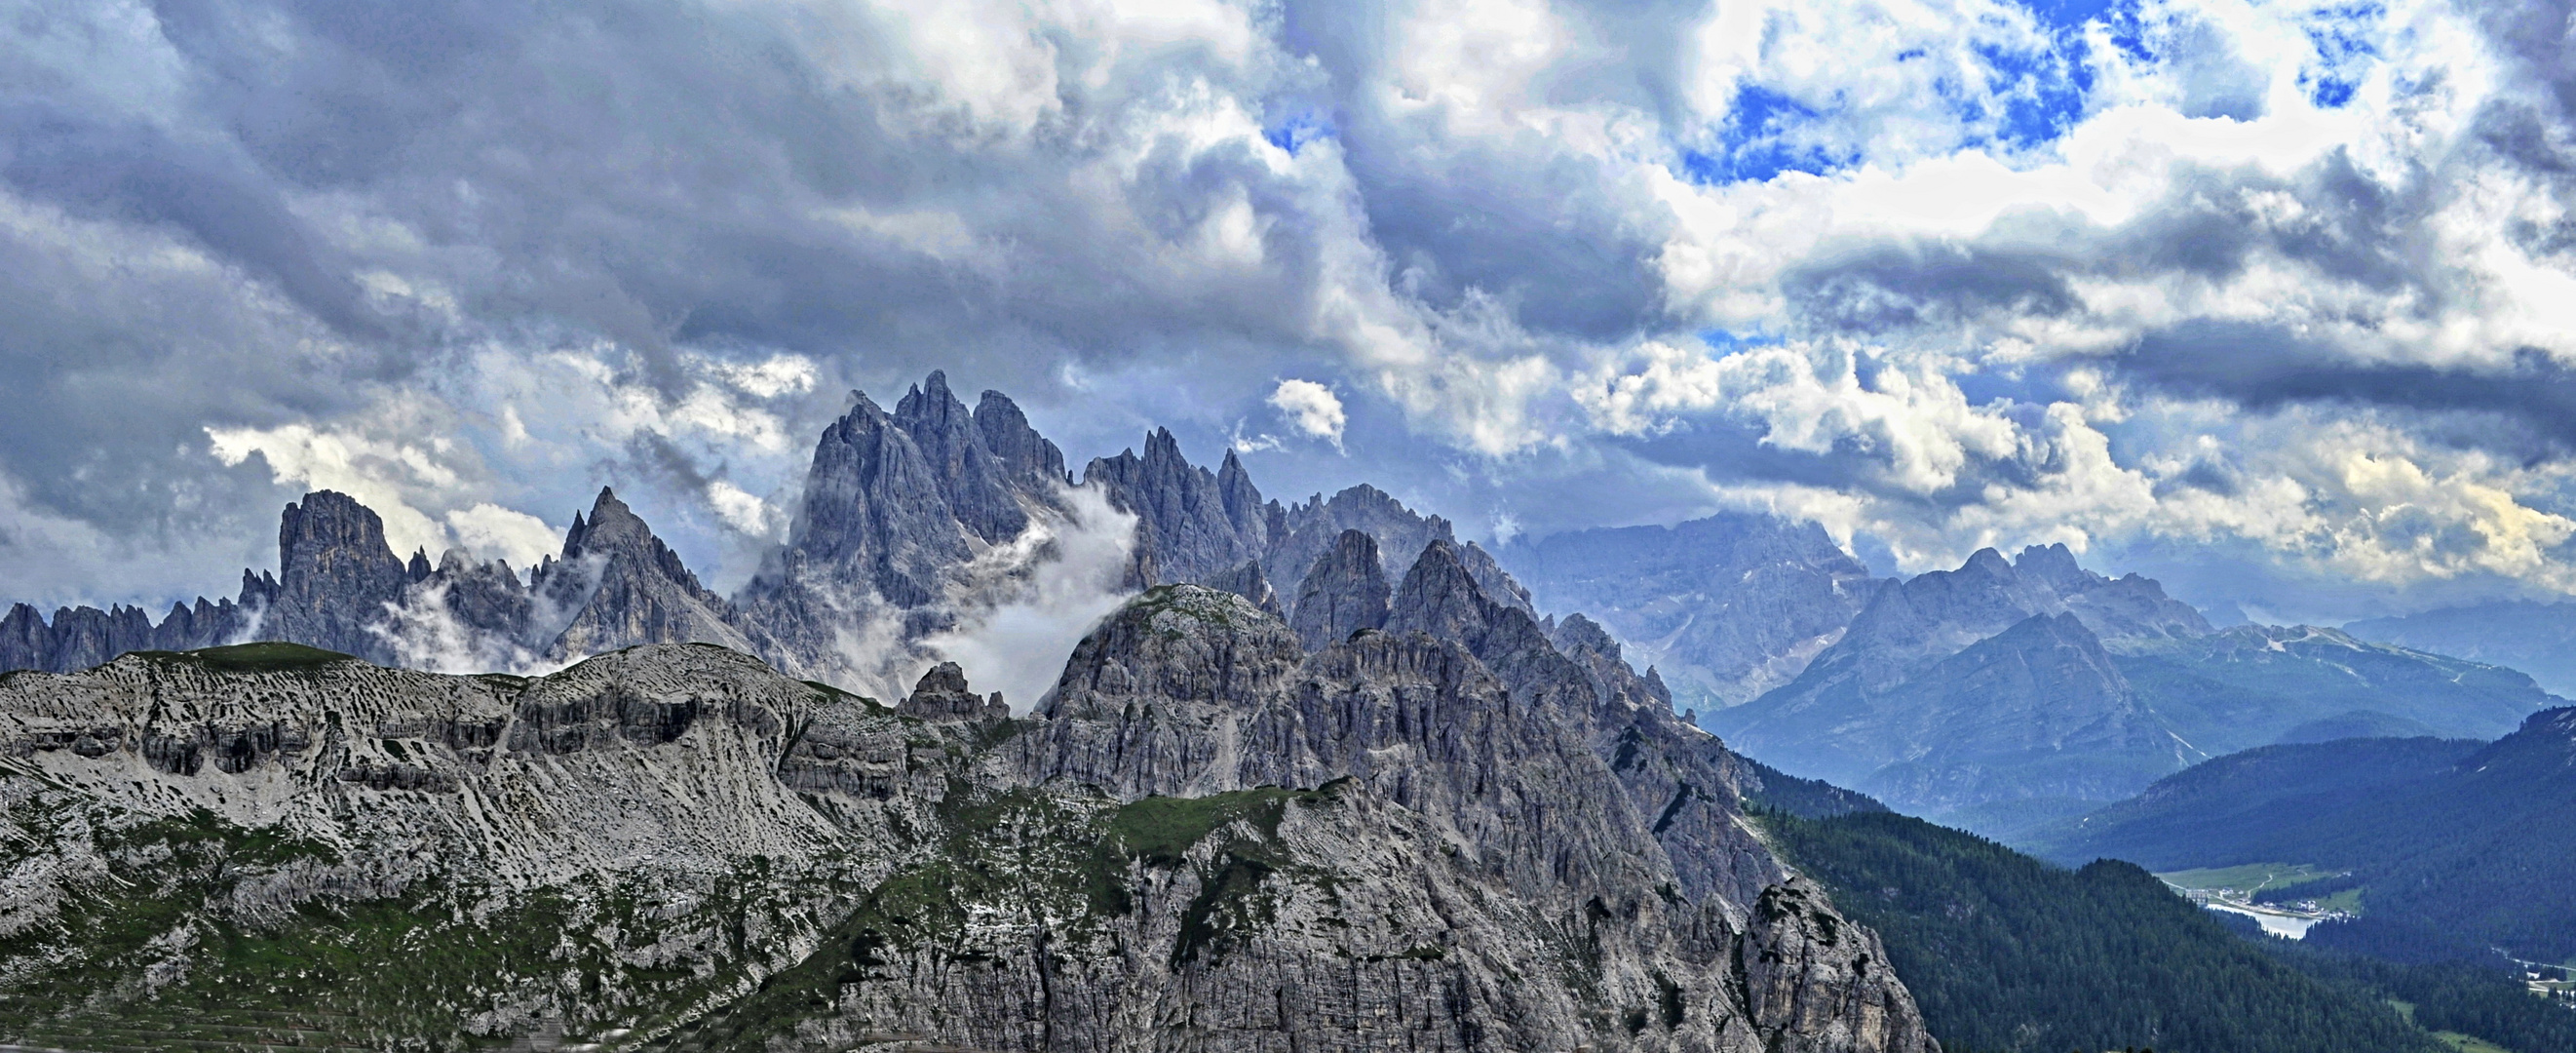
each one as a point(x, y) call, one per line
point(1877, 287)
point(1558, 236)
point(2211, 225)
point(2263, 367)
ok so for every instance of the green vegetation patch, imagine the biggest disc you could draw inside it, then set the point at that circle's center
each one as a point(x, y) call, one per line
point(264, 657)
point(2249, 878)
point(407, 972)
point(203, 832)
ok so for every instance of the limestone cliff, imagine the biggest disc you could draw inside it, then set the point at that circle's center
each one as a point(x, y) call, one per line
point(1210, 840)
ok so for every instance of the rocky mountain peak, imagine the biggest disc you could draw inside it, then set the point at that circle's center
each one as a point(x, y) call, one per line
point(610, 527)
point(1181, 642)
point(1304, 532)
point(873, 515)
point(942, 694)
point(1016, 446)
point(1441, 598)
point(1343, 593)
point(2055, 566)
point(629, 588)
point(1184, 526)
point(1577, 632)
point(335, 575)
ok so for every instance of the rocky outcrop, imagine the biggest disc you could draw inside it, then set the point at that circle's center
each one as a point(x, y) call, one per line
point(941, 694)
point(1343, 593)
point(1192, 693)
point(336, 577)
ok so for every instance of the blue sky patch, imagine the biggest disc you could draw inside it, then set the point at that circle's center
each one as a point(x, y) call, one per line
point(2345, 47)
point(1754, 144)
point(1297, 130)
point(2070, 13)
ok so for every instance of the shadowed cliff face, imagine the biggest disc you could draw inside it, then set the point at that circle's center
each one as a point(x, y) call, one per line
point(1344, 593)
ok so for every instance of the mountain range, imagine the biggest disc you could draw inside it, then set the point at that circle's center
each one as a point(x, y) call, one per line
point(2537, 638)
point(1311, 775)
point(1456, 831)
point(1384, 804)
point(2015, 691)
point(914, 524)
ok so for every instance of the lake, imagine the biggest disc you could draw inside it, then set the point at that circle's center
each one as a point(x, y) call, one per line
point(2276, 924)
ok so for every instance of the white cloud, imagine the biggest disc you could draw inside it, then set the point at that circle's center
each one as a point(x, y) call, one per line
point(380, 472)
point(1311, 408)
point(493, 532)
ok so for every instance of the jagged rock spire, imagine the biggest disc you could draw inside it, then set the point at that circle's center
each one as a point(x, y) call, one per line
point(642, 592)
point(335, 576)
point(1345, 592)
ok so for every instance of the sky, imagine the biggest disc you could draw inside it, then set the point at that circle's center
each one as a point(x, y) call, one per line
point(2273, 301)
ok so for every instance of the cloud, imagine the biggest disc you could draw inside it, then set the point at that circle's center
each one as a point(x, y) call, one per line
point(1035, 597)
point(1932, 272)
point(1311, 408)
point(490, 531)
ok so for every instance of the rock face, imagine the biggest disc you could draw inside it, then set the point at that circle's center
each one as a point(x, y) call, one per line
point(1728, 607)
point(1191, 524)
point(942, 695)
point(626, 587)
point(1211, 837)
point(1344, 593)
point(336, 576)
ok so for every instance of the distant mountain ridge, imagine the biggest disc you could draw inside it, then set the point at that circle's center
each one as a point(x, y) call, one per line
point(2537, 638)
point(911, 520)
point(2010, 691)
point(1728, 606)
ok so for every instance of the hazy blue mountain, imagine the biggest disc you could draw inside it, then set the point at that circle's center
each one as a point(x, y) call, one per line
point(2537, 638)
point(1725, 607)
point(2254, 685)
point(2013, 692)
